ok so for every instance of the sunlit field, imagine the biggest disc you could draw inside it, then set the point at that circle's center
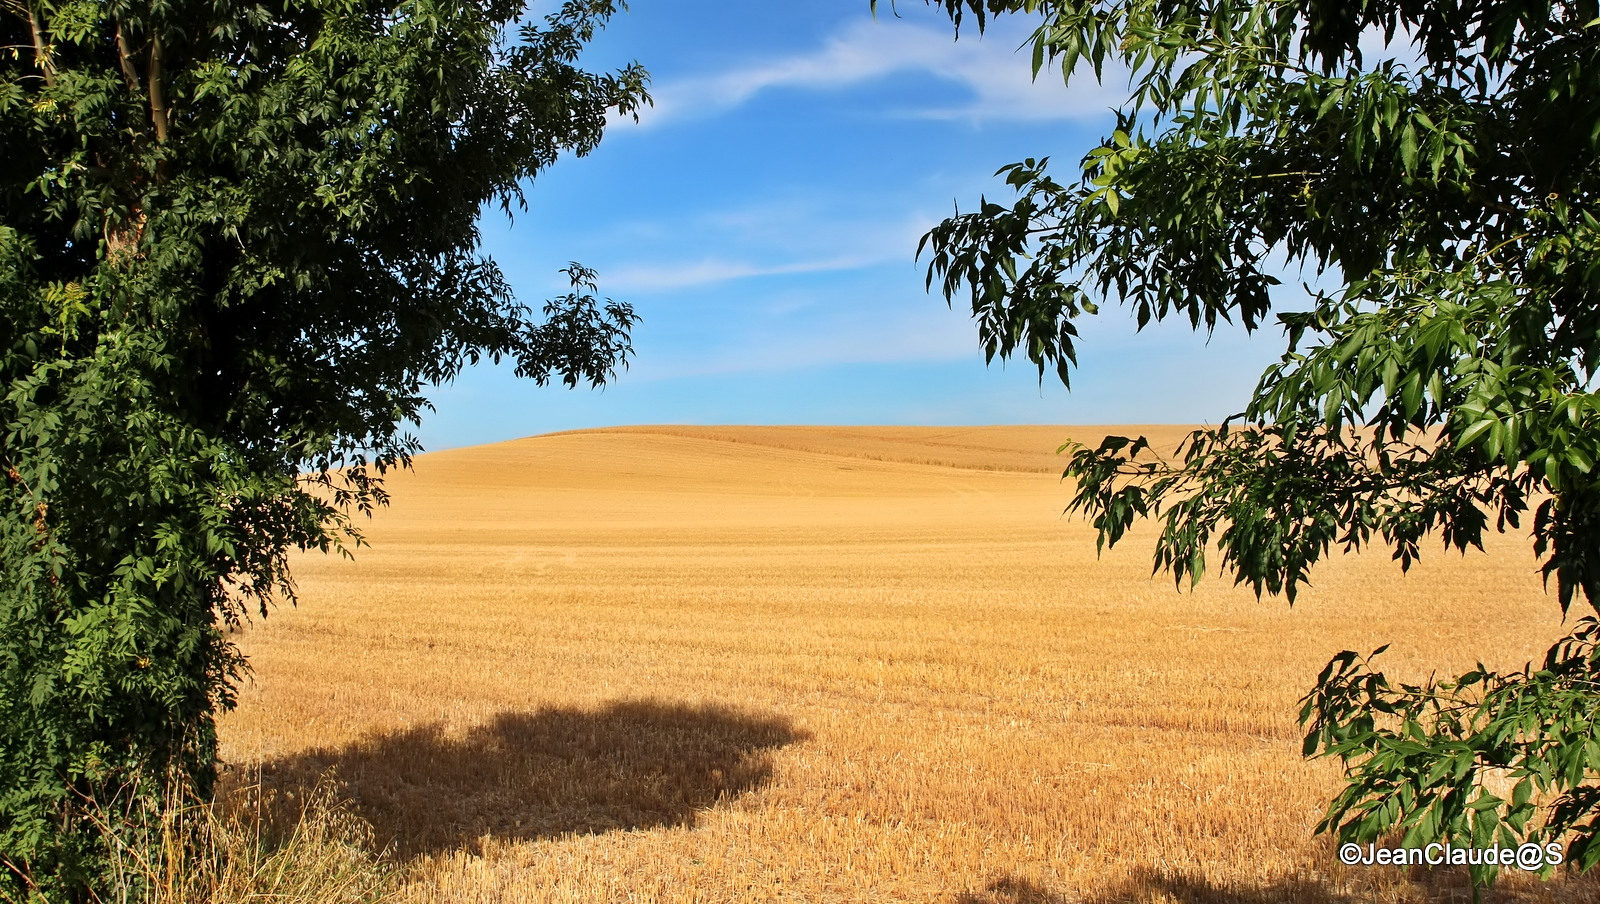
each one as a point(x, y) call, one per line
point(831, 664)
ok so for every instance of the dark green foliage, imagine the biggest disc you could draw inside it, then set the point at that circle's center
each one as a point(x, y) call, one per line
point(1446, 389)
point(237, 242)
point(1424, 752)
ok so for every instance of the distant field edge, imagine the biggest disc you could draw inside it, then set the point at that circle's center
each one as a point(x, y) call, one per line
point(1025, 448)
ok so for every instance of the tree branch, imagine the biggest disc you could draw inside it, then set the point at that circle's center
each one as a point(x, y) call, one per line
point(41, 50)
point(125, 58)
point(158, 97)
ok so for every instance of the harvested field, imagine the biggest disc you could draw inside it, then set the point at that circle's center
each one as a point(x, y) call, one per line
point(732, 664)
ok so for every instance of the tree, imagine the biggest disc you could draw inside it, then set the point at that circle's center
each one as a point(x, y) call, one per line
point(238, 240)
point(1449, 190)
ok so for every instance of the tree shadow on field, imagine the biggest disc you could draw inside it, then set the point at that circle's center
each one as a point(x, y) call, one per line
point(1011, 890)
point(525, 776)
point(1150, 887)
point(1181, 888)
point(1157, 887)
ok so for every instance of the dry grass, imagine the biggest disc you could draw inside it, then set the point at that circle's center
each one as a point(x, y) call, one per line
point(830, 664)
point(250, 846)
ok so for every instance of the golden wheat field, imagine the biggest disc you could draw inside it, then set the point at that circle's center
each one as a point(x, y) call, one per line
point(819, 664)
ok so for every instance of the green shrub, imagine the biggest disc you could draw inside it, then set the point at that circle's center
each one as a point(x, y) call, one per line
point(237, 242)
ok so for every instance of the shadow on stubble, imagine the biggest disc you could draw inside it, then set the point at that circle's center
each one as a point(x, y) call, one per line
point(1414, 886)
point(543, 774)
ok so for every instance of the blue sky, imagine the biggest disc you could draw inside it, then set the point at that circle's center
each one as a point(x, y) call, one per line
point(763, 219)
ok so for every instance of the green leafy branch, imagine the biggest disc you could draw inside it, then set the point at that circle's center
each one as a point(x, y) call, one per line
point(1420, 758)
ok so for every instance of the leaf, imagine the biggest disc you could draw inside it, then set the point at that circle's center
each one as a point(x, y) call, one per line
point(1408, 148)
point(1473, 432)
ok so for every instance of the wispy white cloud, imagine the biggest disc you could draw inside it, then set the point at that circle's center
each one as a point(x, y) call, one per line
point(993, 68)
point(773, 238)
point(765, 326)
point(712, 270)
